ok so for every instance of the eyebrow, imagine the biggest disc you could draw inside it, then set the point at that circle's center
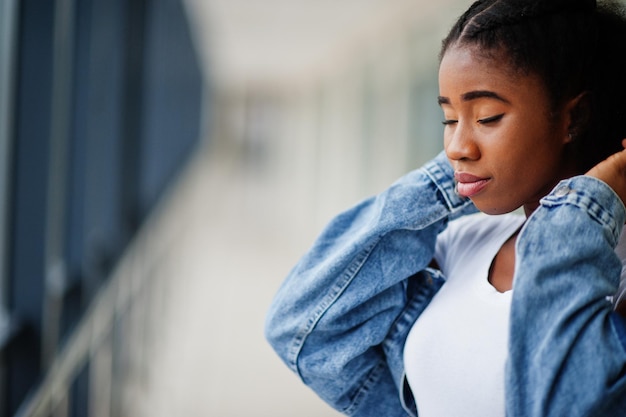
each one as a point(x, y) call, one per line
point(474, 95)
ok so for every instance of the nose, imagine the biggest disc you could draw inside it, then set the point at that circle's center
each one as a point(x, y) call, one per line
point(460, 144)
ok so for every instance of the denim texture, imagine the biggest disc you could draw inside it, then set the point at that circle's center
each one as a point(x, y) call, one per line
point(341, 318)
point(567, 352)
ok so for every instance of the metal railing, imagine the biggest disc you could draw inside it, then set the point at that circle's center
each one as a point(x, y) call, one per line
point(117, 329)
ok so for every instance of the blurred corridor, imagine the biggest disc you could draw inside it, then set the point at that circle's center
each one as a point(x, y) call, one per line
point(225, 262)
point(166, 162)
point(316, 105)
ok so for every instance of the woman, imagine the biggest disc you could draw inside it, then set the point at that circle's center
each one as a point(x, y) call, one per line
point(410, 304)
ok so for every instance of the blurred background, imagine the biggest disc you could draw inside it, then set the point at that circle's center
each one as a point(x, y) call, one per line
point(164, 163)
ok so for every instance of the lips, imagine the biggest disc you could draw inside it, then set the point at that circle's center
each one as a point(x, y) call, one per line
point(468, 185)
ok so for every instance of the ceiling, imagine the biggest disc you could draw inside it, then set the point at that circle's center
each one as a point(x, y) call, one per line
point(248, 41)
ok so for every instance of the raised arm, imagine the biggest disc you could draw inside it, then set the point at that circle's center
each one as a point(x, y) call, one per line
point(567, 345)
point(340, 318)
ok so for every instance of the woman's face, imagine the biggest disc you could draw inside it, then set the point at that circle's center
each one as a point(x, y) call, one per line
point(500, 137)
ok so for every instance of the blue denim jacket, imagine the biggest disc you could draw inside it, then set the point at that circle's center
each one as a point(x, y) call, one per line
point(341, 318)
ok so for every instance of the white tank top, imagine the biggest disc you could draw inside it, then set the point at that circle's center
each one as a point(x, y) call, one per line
point(455, 353)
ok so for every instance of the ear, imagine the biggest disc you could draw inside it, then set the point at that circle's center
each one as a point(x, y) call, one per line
point(577, 112)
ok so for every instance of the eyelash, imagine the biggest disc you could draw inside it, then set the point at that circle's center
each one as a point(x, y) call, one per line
point(484, 121)
point(491, 119)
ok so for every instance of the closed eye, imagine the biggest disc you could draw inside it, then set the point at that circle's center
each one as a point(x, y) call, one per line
point(449, 122)
point(491, 119)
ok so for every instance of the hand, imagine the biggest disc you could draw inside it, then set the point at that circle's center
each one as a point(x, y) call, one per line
point(613, 172)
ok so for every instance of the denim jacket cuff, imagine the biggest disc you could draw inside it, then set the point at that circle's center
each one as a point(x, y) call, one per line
point(441, 173)
point(595, 197)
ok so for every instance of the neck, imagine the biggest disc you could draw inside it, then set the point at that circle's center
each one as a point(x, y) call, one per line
point(568, 172)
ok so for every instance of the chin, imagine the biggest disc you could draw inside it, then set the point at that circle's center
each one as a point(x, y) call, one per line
point(495, 209)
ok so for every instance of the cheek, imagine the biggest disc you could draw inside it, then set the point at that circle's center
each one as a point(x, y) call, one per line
point(533, 143)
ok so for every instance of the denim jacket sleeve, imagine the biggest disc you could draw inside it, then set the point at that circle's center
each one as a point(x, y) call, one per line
point(567, 352)
point(339, 319)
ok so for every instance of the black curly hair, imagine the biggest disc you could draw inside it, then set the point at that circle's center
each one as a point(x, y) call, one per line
point(576, 47)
